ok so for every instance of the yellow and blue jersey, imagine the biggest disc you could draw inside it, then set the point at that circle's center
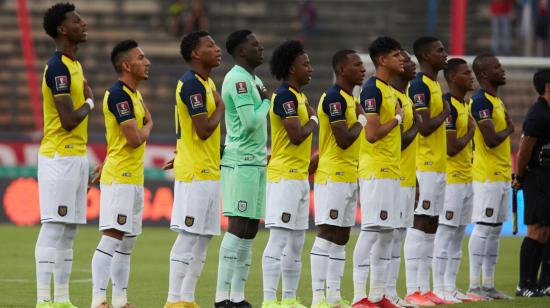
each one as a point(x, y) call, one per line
point(196, 159)
point(459, 166)
point(63, 76)
point(123, 164)
point(407, 166)
point(288, 161)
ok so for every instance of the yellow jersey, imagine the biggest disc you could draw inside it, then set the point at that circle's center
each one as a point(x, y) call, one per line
point(380, 159)
point(123, 164)
point(196, 159)
point(288, 161)
point(407, 166)
point(63, 76)
point(431, 154)
point(490, 164)
point(459, 166)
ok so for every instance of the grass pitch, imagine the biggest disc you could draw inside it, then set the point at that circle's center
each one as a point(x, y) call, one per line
point(149, 274)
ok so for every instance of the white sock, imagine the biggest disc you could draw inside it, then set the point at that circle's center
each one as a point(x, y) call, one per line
point(413, 254)
point(319, 261)
point(291, 263)
point(101, 268)
point(226, 265)
point(490, 258)
point(393, 270)
point(425, 265)
point(242, 268)
point(455, 256)
point(380, 261)
point(195, 268)
point(476, 251)
point(181, 256)
point(361, 262)
point(44, 254)
point(336, 265)
point(271, 261)
point(443, 238)
point(120, 270)
point(63, 264)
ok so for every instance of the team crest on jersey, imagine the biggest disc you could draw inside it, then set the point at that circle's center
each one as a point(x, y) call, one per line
point(289, 107)
point(285, 217)
point(335, 109)
point(121, 219)
point(426, 204)
point(449, 215)
point(189, 221)
point(242, 205)
point(370, 104)
point(196, 101)
point(62, 210)
point(484, 114)
point(489, 212)
point(123, 108)
point(61, 83)
point(383, 215)
point(333, 214)
point(419, 99)
point(241, 87)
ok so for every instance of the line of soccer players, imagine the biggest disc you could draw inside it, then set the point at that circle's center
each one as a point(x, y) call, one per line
point(403, 133)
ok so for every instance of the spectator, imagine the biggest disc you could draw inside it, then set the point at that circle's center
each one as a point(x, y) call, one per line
point(177, 15)
point(197, 20)
point(500, 25)
point(431, 20)
point(542, 22)
point(307, 13)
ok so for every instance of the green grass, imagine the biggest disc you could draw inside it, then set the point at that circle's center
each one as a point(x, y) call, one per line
point(149, 274)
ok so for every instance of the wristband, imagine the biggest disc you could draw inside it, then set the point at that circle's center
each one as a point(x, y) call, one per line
point(90, 103)
point(399, 119)
point(314, 119)
point(362, 120)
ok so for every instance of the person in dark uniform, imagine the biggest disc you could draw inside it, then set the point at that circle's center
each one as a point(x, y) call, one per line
point(534, 177)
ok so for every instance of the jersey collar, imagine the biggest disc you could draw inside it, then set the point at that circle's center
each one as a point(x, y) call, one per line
point(60, 54)
point(127, 86)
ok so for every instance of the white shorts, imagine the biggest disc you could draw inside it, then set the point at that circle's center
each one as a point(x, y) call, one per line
point(379, 203)
point(432, 193)
point(335, 203)
point(491, 201)
point(196, 207)
point(62, 188)
point(407, 195)
point(459, 204)
point(287, 204)
point(121, 206)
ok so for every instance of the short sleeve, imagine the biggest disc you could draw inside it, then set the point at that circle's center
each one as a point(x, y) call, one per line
point(121, 106)
point(482, 109)
point(193, 95)
point(334, 106)
point(371, 99)
point(285, 104)
point(58, 78)
point(534, 123)
point(450, 121)
point(419, 94)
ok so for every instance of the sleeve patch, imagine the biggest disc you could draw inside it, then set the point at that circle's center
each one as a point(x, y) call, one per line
point(370, 104)
point(61, 83)
point(289, 108)
point(484, 114)
point(241, 87)
point(123, 108)
point(196, 101)
point(449, 122)
point(419, 99)
point(335, 109)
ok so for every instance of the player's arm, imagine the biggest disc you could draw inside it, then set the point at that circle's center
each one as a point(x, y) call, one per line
point(250, 116)
point(343, 135)
point(285, 105)
point(407, 137)
point(454, 144)
point(482, 110)
point(193, 95)
point(421, 96)
point(531, 130)
point(371, 98)
point(58, 79)
point(120, 105)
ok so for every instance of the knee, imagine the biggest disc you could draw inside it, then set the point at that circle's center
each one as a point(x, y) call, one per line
point(127, 244)
point(50, 234)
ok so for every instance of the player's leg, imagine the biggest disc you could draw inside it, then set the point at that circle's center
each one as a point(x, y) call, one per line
point(45, 251)
point(319, 251)
point(529, 261)
point(101, 264)
point(244, 257)
point(380, 259)
point(395, 263)
point(195, 268)
point(336, 262)
point(120, 270)
point(63, 263)
point(271, 262)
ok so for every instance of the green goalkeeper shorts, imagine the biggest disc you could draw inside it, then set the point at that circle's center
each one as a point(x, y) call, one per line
point(243, 191)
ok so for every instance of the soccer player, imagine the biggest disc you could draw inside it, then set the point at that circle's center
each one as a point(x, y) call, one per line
point(492, 174)
point(128, 124)
point(407, 171)
point(427, 97)
point(62, 162)
point(379, 159)
point(196, 210)
point(341, 120)
point(243, 166)
point(458, 205)
point(287, 210)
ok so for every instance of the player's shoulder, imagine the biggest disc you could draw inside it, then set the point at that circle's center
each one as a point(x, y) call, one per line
point(480, 98)
point(55, 64)
point(117, 92)
point(191, 80)
point(333, 94)
point(418, 83)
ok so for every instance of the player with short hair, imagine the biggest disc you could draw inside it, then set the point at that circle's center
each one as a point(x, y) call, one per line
point(195, 214)
point(62, 162)
point(128, 124)
point(458, 205)
point(341, 120)
point(427, 97)
point(492, 169)
point(243, 166)
point(379, 160)
point(287, 209)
